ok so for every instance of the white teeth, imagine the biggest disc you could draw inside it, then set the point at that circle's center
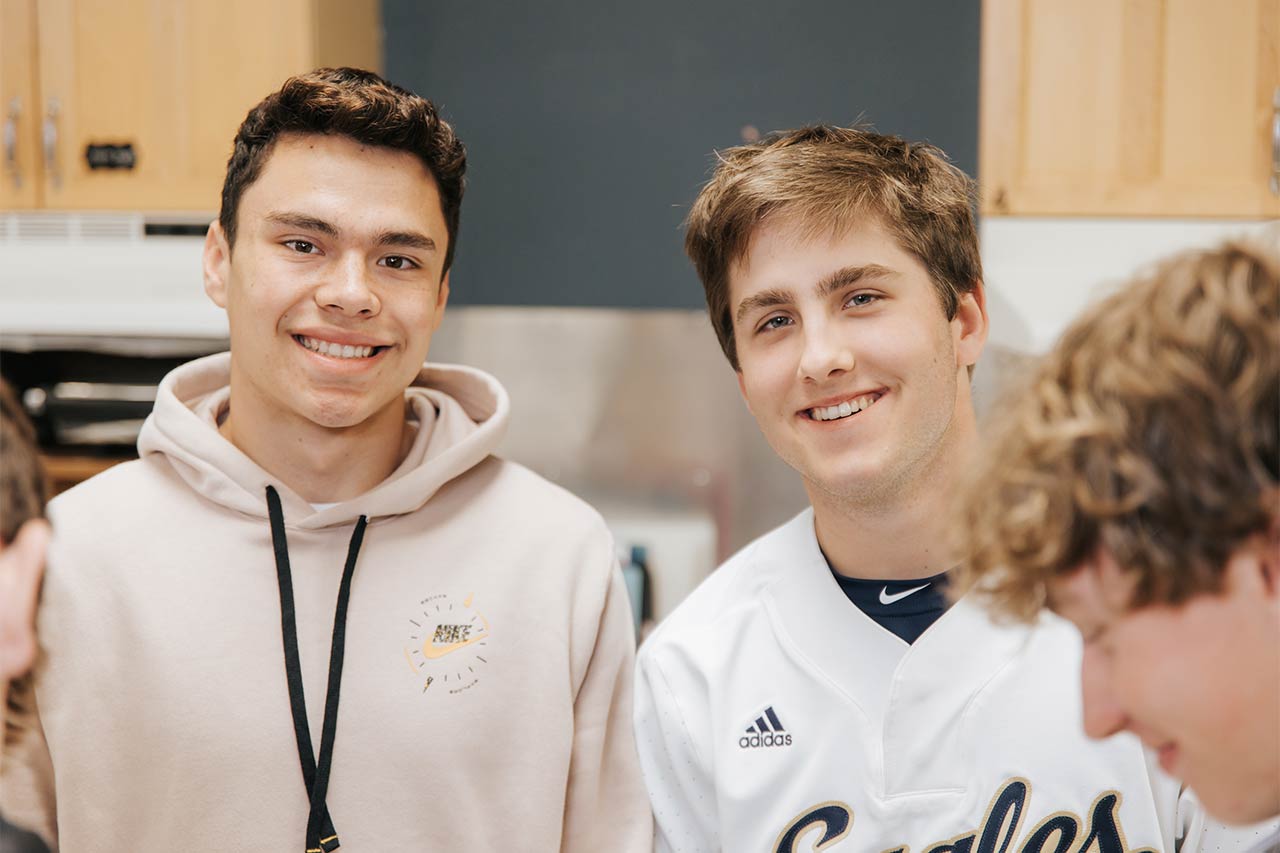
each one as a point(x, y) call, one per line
point(336, 350)
point(844, 410)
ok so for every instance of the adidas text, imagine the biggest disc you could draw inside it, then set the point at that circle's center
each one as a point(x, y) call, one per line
point(757, 741)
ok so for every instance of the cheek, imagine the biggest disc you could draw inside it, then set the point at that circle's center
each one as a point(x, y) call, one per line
point(255, 302)
point(414, 318)
point(765, 375)
point(901, 345)
point(1151, 666)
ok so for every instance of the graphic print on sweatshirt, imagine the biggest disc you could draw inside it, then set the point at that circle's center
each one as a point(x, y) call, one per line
point(446, 644)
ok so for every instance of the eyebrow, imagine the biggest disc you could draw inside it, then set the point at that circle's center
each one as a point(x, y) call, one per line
point(836, 280)
point(410, 239)
point(304, 222)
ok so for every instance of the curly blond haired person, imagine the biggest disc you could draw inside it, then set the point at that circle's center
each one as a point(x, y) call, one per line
point(1135, 490)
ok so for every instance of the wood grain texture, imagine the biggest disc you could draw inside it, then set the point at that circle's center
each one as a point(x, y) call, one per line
point(18, 90)
point(173, 78)
point(1134, 108)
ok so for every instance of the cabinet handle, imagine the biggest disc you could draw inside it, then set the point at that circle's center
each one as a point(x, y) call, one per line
point(50, 136)
point(11, 143)
point(1275, 143)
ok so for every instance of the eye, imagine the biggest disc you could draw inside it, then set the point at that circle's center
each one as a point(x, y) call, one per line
point(862, 299)
point(302, 247)
point(777, 321)
point(399, 262)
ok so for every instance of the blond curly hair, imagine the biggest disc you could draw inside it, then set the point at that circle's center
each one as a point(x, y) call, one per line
point(1150, 431)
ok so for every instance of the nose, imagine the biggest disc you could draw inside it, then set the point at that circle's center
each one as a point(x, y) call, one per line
point(349, 290)
point(1103, 715)
point(826, 353)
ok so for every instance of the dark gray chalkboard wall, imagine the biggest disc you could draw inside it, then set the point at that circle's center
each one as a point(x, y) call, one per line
point(590, 125)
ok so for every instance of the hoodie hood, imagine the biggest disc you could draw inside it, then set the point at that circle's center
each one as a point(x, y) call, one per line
point(460, 415)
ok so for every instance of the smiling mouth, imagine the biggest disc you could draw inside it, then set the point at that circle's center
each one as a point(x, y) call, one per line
point(333, 350)
point(847, 409)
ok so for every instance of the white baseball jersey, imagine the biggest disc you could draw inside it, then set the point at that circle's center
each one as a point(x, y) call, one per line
point(773, 715)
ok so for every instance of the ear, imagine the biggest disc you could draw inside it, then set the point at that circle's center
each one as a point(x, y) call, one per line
point(216, 264)
point(442, 299)
point(1269, 547)
point(1261, 551)
point(1270, 567)
point(970, 325)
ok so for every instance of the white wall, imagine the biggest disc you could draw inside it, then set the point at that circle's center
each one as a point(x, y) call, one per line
point(1040, 272)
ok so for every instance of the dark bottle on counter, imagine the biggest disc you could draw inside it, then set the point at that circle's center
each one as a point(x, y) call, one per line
point(635, 571)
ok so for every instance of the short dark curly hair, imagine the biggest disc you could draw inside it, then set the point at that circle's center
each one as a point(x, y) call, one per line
point(358, 104)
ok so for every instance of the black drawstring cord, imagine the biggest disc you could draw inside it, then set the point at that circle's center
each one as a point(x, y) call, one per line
point(321, 837)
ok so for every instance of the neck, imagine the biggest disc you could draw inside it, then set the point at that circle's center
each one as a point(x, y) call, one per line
point(906, 534)
point(321, 464)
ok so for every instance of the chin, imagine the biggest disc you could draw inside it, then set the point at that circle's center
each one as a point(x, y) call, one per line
point(1240, 800)
point(338, 414)
point(845, 479)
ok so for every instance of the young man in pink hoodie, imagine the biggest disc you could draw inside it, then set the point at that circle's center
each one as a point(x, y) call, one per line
point(317, 515)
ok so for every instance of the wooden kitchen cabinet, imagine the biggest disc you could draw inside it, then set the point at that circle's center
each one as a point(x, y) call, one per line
point(169, 79)
point(19, 105)
point(1130, 108)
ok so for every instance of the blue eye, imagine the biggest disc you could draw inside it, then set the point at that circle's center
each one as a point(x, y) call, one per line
point(775, 323)
point(862, 299)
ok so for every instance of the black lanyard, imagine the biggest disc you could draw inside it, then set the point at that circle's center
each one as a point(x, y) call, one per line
point(321, 837)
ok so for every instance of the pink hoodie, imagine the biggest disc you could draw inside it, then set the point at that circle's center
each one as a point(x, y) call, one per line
point(486, 691)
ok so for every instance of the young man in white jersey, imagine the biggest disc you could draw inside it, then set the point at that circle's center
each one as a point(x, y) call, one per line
point(318, 515)
point(817, 692)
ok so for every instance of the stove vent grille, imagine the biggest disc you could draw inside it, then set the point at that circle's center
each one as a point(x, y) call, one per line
point(92, 227)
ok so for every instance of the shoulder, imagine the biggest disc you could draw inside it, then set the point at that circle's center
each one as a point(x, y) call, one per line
point(733, 593)
point(502, 504)
point(528, 501)
point(1053, 639)
point(114, 492)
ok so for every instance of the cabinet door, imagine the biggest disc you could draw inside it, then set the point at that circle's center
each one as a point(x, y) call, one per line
point(171, 79)
point(1143, 107)
point(19, 109)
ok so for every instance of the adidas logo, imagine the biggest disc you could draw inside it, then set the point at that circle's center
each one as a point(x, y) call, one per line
point(766, 731)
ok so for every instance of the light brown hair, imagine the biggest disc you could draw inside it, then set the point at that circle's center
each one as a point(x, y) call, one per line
point(360, 105)
point(827, 178)
point(1150, 431)
point(23, 491)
